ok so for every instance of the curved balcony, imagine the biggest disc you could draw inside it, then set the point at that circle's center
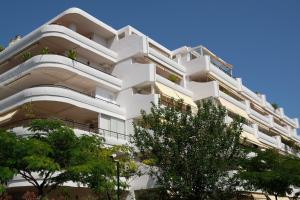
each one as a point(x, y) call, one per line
point(60, 94)
point(44, 62)
point(111, 137)
point(62, 33)
point(223, 77)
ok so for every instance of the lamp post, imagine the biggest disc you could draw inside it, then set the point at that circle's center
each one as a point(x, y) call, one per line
point(113, 156)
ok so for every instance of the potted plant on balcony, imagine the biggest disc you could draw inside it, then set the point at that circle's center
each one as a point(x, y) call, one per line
point(45, 50)
point(26, 55)
point(275, 106)
point(72, 54)
point(1, 48)
point(173, 78)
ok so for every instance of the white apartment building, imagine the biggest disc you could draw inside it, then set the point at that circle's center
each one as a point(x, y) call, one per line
point(117, 73)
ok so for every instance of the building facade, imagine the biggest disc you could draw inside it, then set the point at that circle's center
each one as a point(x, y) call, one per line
point(97, 79)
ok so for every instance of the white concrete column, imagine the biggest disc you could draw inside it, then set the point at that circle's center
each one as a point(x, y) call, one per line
point(207, 63)
point(271, 120)
point(240, 84)
point(247, 103)
point(278, 138)
point(255, 127)
point(281, 112)
point(263, 98)
point(184, 81)
point(296, 122)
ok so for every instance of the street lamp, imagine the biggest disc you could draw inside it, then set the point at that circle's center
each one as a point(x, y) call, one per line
point(113, 157)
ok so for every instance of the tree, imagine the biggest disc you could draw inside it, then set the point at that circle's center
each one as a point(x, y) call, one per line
point(1, 48)
point(193, 154)
point(53, 155)
point(271, 172)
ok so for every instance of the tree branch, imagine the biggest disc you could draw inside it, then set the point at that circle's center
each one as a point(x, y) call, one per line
point(30, 179)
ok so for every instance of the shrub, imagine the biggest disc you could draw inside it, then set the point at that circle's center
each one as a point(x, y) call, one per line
point(173, 78)
point(27, 55)
point(72, 54)
point(45, 50)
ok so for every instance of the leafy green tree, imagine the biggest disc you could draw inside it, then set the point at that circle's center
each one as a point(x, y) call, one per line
point(6, 174)
point(271, 172)
point(193, 155)
point(1, 48)
point(53, 154)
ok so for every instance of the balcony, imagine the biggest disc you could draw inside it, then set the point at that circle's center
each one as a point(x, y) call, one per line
point(293, 122)
point(232, 100)
point(223, 77)
point(59, 94)
point(272, 141)
point(172, 85)
point(285, 148)
point(261, 118)
point(281, 129)
point(111, 137)
point(252, 95)
point(63, 37)
point(160, 57)
point(56, 65)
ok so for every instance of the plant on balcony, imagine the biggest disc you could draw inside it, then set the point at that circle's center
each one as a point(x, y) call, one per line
point(26, 55)
point(271, 172)
point(173, 78)
point(275, 106)
point(190, 154)
point(1, 48)
point(45, 50)
point(53, 147)
point(72, 54)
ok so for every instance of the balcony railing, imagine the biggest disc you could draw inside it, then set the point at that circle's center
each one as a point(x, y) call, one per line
point(224, 76)
point(232, 100)
point(252, 94)
point(72, 89)
point(249, 129)
point(285, 147)
point(269, 139)
point(260, 117)
point(281, 129)
point(72, 124)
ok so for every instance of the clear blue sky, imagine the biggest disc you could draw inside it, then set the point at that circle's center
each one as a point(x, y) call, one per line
point(260, 38)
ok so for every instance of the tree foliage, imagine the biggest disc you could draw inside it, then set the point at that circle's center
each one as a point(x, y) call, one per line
point(271, 172)
point(54, 155)
point(194, 154)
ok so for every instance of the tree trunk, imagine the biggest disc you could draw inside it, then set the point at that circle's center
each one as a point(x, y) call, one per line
point(276, 197)
point(41, 194)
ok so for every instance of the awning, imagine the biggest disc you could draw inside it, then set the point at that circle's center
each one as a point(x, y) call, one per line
point(250, 137)
point(7, 117)
point(233, 108)
point(174, 94)
point(279, 198)
point(186, 99)
point(257, 196)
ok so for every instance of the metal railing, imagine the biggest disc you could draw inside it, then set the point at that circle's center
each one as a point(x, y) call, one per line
point(72, 124)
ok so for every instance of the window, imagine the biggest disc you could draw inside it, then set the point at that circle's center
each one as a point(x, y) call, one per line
point(112, 124)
